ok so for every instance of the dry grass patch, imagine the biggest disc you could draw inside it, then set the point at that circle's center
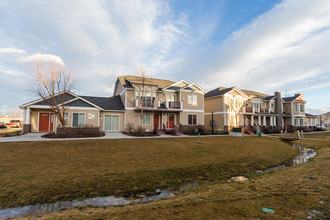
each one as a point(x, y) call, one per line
point(290, 192)
point(40, 172)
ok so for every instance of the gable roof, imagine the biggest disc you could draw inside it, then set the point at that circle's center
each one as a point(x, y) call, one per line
point(293, 98)
point(221, 91)
point(106, 103)
point(268, 98)
point(128, 79)
point(254, 93)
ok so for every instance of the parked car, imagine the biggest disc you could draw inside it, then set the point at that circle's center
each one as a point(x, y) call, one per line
point(15, 124)
point(2, 125)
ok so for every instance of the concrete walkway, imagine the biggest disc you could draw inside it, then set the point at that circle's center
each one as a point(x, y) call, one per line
point(116, 135)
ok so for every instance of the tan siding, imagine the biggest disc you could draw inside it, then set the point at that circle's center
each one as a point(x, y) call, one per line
point(219, 122)
point(213, 105)
point(200, 101)
point(184, 115)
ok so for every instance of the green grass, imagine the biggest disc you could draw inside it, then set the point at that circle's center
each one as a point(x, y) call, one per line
point(290, 192)
point(40, 172)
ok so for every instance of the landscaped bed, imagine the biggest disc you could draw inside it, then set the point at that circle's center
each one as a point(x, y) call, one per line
point(40, 172)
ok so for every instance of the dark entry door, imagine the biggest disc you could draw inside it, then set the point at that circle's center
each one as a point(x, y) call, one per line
point(44, 122)
point(156, 120)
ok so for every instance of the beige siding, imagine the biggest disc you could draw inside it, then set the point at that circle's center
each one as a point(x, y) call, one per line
point(200, 101)
point(218, 120)
point(213, 105)
point(200, 119)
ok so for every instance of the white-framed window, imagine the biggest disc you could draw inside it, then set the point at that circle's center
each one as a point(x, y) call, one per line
point(146, 119)
point(192, 119)
point(171, 97)
point(301, 122)
point(302, 108)
point(91, 115)
point(111, 122)
point(66, 116)
point(295, 122)
point(78, 119)
point(192, 100)
point(296, 107)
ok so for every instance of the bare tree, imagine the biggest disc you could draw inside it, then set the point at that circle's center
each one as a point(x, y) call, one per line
point(236, 106)
point(143, 93)
point(52, 83)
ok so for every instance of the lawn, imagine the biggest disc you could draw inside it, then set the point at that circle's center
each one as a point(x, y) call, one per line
point(40, 172)
point(291, 193)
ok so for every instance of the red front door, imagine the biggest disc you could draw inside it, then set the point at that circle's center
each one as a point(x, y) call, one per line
point(156, 120)
point(170, 121)
point(44, 122)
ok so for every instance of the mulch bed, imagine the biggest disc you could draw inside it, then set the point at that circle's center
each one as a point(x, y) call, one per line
point(139, 134)
point(53, 135)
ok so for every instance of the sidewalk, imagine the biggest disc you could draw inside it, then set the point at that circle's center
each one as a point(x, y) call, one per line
point(117, 135)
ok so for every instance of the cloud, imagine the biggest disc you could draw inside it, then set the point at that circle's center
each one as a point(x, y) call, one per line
point(12, 51)
point(285, 48)
point(42, 58)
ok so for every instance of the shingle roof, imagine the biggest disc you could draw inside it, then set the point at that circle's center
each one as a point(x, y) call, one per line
point(250, 92)
point(106, 103)
point(162, 83)
point(217, 92)
point(310, 115)
point(268, 98)
point(290, 99)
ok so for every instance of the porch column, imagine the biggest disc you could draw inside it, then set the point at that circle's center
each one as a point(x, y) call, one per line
point(265, 122)
point(259, 120)
point(24, 116)
point(27, 117)
point(251, 120)
point(271, 120)
point(274, 120)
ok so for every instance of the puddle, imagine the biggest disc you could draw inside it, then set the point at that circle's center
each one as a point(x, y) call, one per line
point(111, 201)
point(304, 155)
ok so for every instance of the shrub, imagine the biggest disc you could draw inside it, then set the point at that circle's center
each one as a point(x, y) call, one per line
point(129, 128)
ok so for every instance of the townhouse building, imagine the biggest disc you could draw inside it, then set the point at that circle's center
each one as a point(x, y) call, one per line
point(167, 106)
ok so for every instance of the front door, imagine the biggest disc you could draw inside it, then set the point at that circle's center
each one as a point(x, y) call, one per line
point(43, 122)
point(170, 121)
point(156, 120)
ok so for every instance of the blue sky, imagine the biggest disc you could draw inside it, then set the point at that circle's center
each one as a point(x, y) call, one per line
point(261, 45)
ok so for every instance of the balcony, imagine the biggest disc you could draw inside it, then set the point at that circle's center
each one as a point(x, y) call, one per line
point(173, 105)
point(145, 103)
point(264, 110)
point(248, 110)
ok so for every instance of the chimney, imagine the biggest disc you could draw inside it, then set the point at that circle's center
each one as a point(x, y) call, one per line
point(299, 94)
point(278, 110)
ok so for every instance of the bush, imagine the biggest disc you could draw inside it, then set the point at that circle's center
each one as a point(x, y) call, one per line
point(268, 131)
point(73, 132)
point(129, 128)
point(191, 129)
point(320, 129)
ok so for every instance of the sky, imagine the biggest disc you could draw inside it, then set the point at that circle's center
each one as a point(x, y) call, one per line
point(261, 45)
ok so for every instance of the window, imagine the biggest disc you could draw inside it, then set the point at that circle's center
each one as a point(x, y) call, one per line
point(66, 116)
point(171, 97)
point(111, 122)
point(192, 100)
point(301, 122)
point(302, 108)
point(78, 119)
point(272, 105)
point(192, 119)
point(91, 115)
point(295, 122)
point(296, 107)
point(146, 119)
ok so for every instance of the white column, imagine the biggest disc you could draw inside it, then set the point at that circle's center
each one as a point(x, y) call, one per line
point(274, 120)
point(259, 120)
point(27, 117)
point(24, 116)
point(271, 120)
point(251, 120)
point(166, 104)
point(265, 122)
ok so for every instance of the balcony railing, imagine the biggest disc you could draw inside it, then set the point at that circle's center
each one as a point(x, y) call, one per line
point(145, 103)
point(249, 109)
point(174, 105)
